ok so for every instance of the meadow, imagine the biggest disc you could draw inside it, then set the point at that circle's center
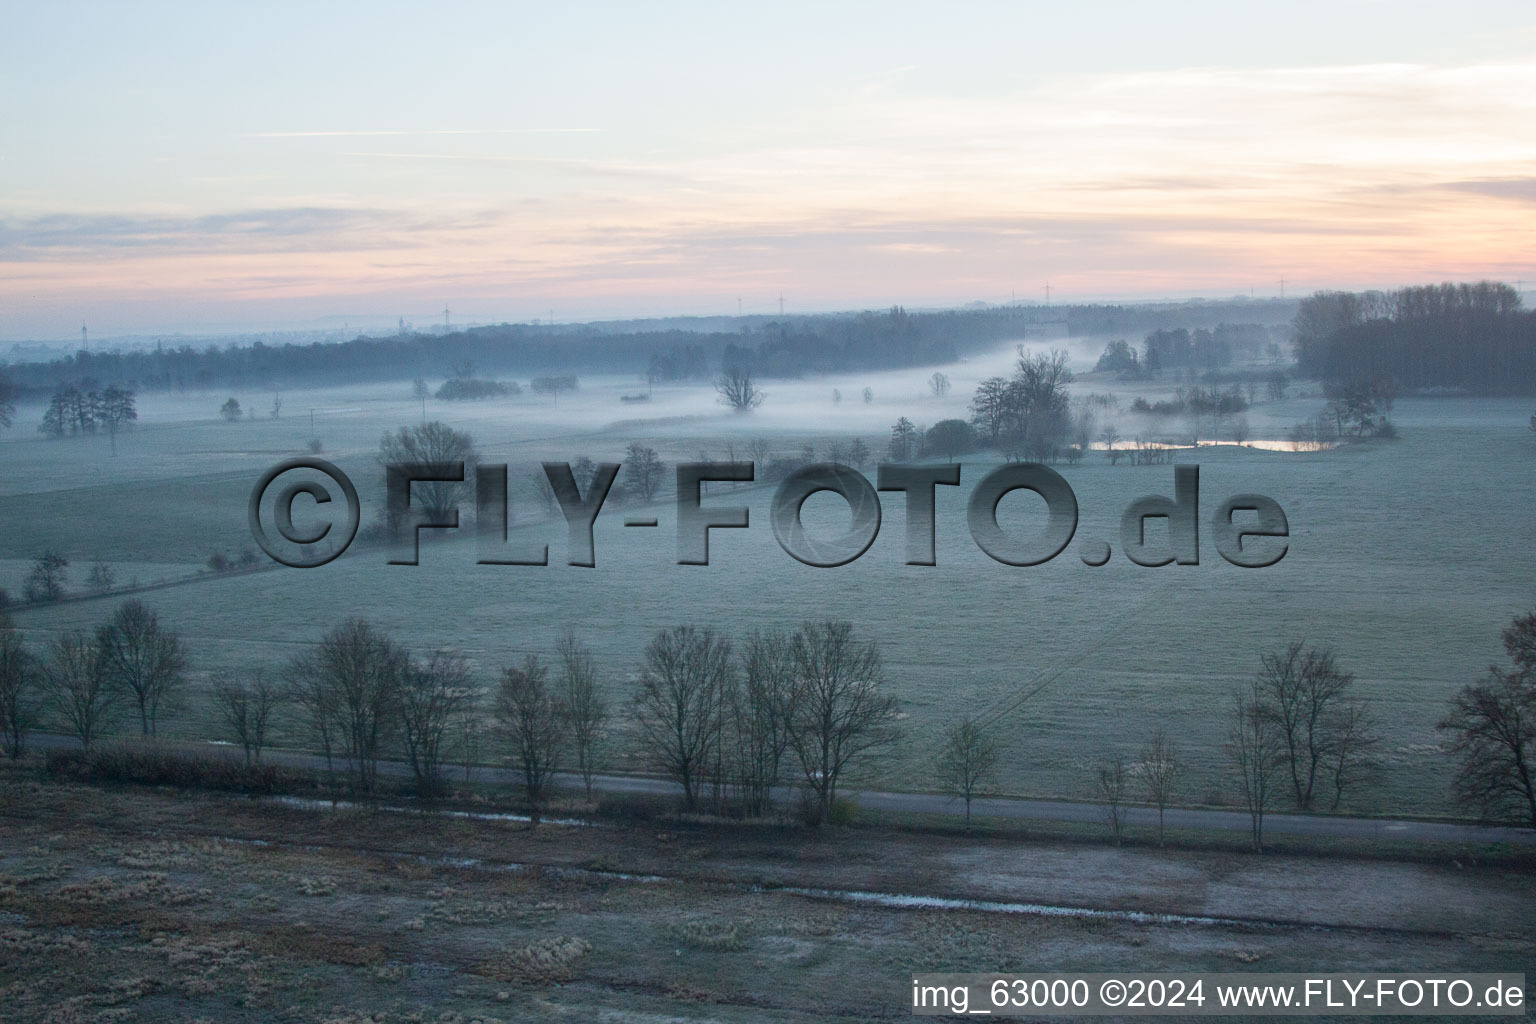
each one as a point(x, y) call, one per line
point(137, 904)
point(1407, 556)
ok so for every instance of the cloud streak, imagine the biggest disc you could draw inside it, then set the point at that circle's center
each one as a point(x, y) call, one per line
point(366, 132)
point(1200, 177)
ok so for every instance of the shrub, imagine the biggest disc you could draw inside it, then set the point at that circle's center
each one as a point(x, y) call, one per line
point(157, 766)
point(472, 389)
point(102, 578)
point(632, 807)
point(842, 812)
point(711, 933)
point(545, 962)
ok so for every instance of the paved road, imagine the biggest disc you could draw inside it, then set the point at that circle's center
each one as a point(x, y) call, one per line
point(1000, 807)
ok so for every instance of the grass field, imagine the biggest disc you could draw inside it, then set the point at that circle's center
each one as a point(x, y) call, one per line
point(1407, 556)
point(135, 904)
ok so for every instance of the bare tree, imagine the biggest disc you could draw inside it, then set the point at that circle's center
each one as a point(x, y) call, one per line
point(677, 706)
point(75, 680)
point(146, 663)
point(904, 439)
point(990, 407)
point(115, 410)
point(102, 578)
point(1160, 770)
point(838, 712)
point(938, 384)
point(585, 710)
point(1257, 750)
point(756, 718)
point(1308, 694)
point(421, 448)
point(1493, 727)
point(350, 683)
point(644, 468)
point(435, 695)
point(529, 717)
point(18, 683)
point(312, 692)
point(858, 453)
point(737, 390)
point(1082, 430)
point(1111, 437)
point(1110, 781)
point(46, 580)
point(966, 761)
point(471, 732)
point(553, 385)
point(246, 702)
point(1352, 738)
point(1520, 642)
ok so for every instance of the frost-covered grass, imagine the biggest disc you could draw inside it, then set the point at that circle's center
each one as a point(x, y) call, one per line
point(1407, 556)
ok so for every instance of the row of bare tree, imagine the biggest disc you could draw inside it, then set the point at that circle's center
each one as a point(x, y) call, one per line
point(364, 697)
point(807, 706)
point(727, 725)
point(85, 681)
point(732, 723)
point(1298, 730)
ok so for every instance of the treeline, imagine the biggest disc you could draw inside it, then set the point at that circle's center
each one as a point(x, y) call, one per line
point(1180, 348)
point(511, 348)
point(1086, 321)
point(84, 407)
point(731, 722)
point(728, 723)
point(790, 347)
point(868, 341)
point(1472, 337)
point(778, 347)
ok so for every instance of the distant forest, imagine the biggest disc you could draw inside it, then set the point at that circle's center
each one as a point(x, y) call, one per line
point(779, 347)
point(1471, 337)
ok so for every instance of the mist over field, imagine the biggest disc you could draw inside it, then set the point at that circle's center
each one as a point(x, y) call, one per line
point(1067, 663)
point(445, 576)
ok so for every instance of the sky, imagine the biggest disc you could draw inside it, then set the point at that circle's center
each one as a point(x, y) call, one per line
point(177, 166)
